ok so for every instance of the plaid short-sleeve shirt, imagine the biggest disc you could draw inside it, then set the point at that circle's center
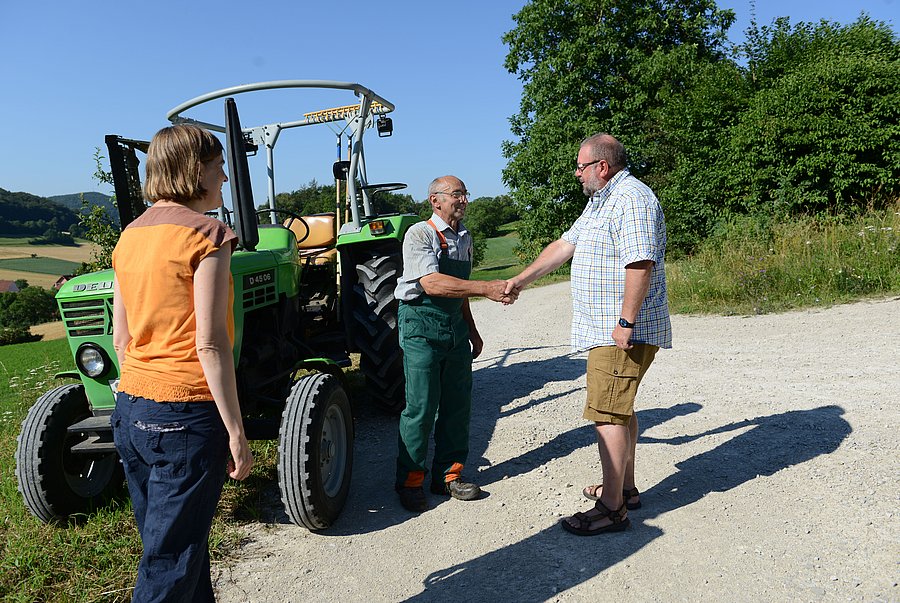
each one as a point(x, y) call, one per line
point(621, 224)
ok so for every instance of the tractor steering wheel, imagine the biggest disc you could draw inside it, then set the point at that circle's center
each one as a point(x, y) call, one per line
point(384, 187)
point(292, 217)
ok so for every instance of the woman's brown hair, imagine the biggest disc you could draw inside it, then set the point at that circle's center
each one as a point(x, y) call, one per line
point(173, 163)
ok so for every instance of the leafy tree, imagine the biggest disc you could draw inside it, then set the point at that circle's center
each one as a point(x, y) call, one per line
point(97, 225)
point(21, 283)
point(101, 231)
point(485, 215)
point(6, 300)
point(314, 198)
point(809, 125)
point(681, 159)
point(587, 66)
point(30, 306)
point(821, 132)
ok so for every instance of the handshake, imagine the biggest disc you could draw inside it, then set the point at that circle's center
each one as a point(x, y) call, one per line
point(506, 292)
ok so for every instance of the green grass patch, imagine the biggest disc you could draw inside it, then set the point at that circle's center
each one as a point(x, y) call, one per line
point(760, 264)
point(40, 265)
point(87, 560)
point(755, 265)
point(95, 557)
point(501, 262)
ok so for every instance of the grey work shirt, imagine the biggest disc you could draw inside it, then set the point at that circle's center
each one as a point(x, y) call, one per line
point(421, 252)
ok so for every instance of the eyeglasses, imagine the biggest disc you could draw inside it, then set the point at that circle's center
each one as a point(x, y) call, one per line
point(579, 167)
point(458, 195)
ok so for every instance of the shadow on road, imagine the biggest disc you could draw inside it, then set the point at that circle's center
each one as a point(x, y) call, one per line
point(771, 444)
point(373, 504)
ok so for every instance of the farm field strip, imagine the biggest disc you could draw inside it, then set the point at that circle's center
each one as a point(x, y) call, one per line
point(35, 279)
point(51, 261)
point(81, 253)
point(39, 265)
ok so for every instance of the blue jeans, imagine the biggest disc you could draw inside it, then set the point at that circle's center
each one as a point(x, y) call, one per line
point(174, 455)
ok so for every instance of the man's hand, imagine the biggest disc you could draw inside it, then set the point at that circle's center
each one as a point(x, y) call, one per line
point(514, 285)
point(477, 343)
point(496, 291)
point(622, 337)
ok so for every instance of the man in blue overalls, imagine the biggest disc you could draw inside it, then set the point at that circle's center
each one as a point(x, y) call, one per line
point(439, 341)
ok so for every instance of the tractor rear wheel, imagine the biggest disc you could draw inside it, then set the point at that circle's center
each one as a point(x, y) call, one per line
point(54, 481)
point(375, 332)
point(315, 451)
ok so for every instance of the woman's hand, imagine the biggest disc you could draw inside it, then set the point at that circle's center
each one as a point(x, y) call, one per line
point(241, 460)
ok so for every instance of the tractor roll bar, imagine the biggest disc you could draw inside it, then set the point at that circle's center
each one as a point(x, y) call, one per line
point(370, 104)
point(360, 90)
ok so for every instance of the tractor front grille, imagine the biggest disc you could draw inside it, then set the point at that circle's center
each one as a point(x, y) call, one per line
point(259, 296)
point(87, 318)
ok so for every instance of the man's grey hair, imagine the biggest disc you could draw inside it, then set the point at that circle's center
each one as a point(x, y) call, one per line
point(438, 183)
point(606, 147)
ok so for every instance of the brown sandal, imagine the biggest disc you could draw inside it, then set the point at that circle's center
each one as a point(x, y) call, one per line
point(583, 528)
point(590, 493)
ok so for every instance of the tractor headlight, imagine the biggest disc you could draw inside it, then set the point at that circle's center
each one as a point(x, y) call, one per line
point(92, 360)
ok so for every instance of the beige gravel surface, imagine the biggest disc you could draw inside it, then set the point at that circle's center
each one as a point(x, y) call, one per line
point(768, 461)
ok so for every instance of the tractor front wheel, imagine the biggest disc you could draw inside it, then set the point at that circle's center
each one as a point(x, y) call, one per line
point(315, 451)
point(54, 481)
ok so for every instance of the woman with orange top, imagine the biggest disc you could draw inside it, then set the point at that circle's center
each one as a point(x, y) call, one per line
point(177, 423)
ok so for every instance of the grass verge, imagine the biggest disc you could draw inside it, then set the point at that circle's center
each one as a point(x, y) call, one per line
point(755, 265)
point(92, 558)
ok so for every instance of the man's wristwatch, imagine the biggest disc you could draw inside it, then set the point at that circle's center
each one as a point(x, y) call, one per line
point(625, 324)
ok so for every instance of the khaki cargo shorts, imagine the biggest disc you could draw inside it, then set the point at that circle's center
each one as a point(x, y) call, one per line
point(613, 376)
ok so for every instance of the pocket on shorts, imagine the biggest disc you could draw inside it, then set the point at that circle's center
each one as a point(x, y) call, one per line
point(613, 377)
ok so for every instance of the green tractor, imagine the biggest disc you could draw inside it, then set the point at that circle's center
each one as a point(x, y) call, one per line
point(309, 290)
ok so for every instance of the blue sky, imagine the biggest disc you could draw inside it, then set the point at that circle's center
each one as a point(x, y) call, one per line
point(74, 71)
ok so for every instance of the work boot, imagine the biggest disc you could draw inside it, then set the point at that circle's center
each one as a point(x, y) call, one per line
point(412, 499)
point(457, 489)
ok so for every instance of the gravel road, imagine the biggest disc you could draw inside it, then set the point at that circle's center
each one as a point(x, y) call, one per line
point(768, 462)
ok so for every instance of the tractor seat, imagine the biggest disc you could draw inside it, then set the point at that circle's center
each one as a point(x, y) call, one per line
point(318, 247)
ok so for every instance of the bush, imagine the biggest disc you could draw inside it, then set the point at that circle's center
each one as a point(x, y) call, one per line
point(53, 237)
point(17, 334)
point(820, 134)
point(30, 306)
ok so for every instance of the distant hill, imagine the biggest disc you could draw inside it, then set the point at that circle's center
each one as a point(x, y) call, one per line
point(73, 202)
point(24, 214)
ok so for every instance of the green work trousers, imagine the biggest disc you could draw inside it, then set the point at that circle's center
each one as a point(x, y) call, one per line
point(437, 362)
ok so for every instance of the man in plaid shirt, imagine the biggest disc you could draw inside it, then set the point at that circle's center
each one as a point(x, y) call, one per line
point(620, 313)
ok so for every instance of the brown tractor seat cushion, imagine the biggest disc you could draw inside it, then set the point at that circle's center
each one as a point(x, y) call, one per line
point(321, 231)
point(320, 256)
point(318, 247)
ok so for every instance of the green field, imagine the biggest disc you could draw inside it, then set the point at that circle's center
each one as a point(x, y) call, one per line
point(501, 262)
point(40, 265)
point(94, 558)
